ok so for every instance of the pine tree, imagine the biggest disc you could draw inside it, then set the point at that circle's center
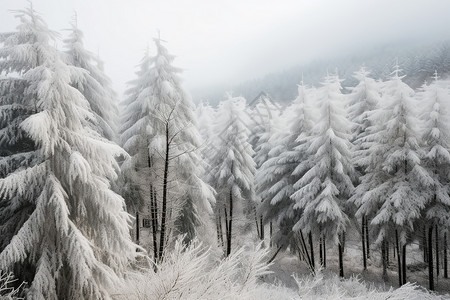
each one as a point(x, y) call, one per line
point(264, 117)
point(322, 192)
point(275, 178)
point(233, 167)
point(435, 99)
point(95, 85)
point(364, 100)
point(159, 130)
point(75, 241)
point(389, 191)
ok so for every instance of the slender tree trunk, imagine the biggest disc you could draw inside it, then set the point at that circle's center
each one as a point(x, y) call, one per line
point(164, 198)
point(324, 253)
point(437, 250)
point(305, 250)
point(262, 227)
point(404, 264)
point(430, 259)
point(425, 245)
point(341, 261)
point(275, 255)
point(230, 224)
point(137, 228)
point(399, 261)
point(363, 239)
point(256, 223)
point(367, 238)
point(320, 251)
point(383, 259)
point(270, 233)
point(313, 263)
point(445, 256)
point(154, 216)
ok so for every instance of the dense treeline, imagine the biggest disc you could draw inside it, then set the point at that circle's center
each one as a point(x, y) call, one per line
point(377, 156)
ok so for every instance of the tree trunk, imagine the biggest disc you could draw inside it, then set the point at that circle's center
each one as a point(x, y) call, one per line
point(270, 233)
point(324, 253)
point(275, 255)
point(320, 251)
point(262, 227)
point(445, 256)
point(437, 251)
point(164, 198)
point(404, 264)
point(399, 261)
point(313, 264)
point(367, 238)
point(425, 245)
point(153, 214)
point(363, 239)
point(230, 224)
point(137, 228)
point(383, 259)
point(305, 250)
point(256, 223)
point(341, 262)
point(430, 259)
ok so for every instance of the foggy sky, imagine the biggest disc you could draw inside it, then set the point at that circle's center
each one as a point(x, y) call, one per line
point(225, 42)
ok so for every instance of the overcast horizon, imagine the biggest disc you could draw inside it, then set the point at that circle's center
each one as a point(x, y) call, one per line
point(223, 43)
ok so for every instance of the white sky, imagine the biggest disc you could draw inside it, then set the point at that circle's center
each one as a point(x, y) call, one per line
point(220, 42)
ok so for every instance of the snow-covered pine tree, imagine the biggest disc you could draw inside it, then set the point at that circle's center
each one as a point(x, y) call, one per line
point(389, 192)
point(75, 241)
point(264, 116)
point(435, 98)
point(322, 192)
point(95, 85)
point(274, 179)
point(159, 130)
point(363, 101)
point(233, 168)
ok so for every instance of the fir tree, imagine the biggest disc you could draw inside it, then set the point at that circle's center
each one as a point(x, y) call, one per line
point(159, 130)
point(325, 186)
point(75, 241)
point(233, 167)
point(389, 191)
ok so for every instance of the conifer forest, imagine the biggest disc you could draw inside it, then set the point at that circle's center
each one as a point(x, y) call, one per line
point(333, 183)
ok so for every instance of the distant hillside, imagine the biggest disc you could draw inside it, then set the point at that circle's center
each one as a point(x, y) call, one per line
point(417, 62)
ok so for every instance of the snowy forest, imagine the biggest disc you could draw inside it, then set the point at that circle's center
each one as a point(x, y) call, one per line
point(341, 193)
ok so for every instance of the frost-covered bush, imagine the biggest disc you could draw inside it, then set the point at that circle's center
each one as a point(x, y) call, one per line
point(7, 289)
point(194, 272)
point(319, 287)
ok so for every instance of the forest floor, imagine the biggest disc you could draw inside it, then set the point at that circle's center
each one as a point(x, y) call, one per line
point(286, 265)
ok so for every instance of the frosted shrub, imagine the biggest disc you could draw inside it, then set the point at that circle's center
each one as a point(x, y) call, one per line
point(318, 287)
point(7, 291)
point(193, 272)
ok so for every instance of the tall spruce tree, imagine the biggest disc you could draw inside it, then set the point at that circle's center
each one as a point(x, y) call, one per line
point(74, 241)
point(325, 186)
point(435, 99)
point(390, 190)
point(233, 168)
point(159, 130)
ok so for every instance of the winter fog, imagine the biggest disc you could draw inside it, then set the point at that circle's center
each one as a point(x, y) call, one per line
point(220, 44)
